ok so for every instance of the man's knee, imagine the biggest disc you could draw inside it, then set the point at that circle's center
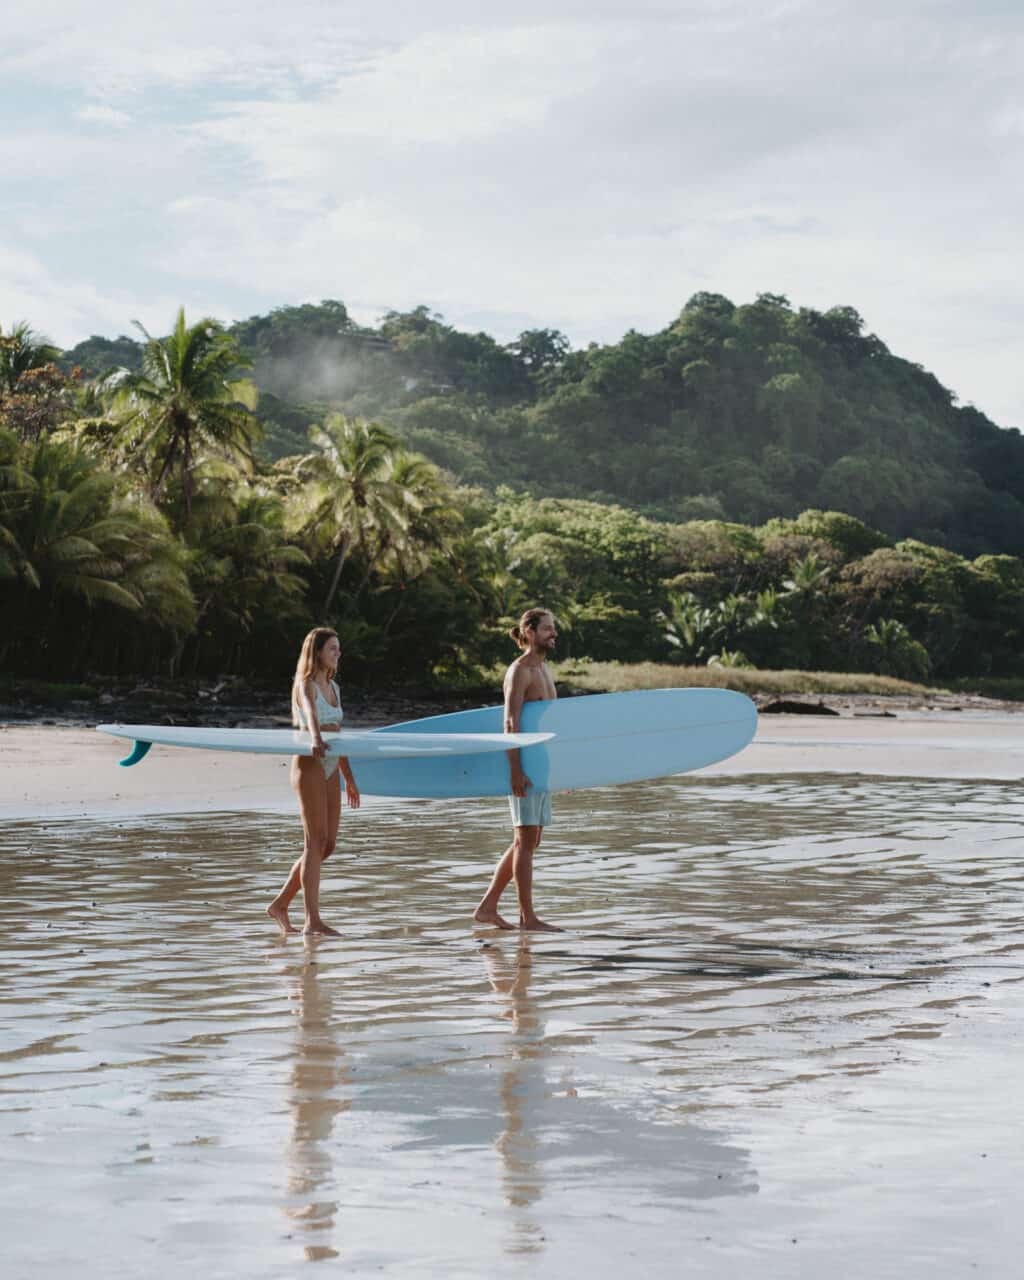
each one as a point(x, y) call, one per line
point(329, 848)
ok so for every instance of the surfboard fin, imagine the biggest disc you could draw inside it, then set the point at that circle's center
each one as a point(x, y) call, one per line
point(137, 753)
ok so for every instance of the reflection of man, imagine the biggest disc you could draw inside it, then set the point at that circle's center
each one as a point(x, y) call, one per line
point(523, 1089)
point(527, 680)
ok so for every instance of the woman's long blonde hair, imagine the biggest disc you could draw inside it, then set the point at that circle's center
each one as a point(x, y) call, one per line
point(309, 661)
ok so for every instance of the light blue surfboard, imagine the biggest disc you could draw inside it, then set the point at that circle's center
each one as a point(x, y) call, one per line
point(598, 739)
point(353, 743)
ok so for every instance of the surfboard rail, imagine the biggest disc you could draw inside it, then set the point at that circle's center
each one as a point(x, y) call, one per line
point(356, 744)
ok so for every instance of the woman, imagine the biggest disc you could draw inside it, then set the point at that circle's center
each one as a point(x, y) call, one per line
point(316, 779)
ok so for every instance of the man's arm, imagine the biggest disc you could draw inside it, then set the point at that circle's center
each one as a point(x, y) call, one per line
point(515, 694)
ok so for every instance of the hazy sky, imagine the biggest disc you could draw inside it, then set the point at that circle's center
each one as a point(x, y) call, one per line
point(582, 164)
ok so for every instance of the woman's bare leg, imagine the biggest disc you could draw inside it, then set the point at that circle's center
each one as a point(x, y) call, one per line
point(320, 806)
point(278, 909)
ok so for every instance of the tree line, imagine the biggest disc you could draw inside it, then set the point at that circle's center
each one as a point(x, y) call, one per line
point(730, 412)
point(146, 526)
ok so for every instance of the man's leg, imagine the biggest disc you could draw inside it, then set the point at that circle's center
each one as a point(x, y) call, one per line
point(526, 842)
point(487, 911)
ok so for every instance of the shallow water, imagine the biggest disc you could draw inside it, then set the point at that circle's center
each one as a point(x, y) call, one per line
point(781, 1032)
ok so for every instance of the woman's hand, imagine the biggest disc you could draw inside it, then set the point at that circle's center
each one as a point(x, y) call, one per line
point(351, 790)
point(319, 747)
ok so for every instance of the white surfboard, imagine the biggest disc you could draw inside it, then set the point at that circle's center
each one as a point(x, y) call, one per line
point(356, 744)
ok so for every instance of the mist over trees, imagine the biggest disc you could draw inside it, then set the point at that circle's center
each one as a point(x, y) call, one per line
point(731, 412)
point(753, 485)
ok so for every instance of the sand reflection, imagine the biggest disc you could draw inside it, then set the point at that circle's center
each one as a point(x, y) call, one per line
point(318, 1097)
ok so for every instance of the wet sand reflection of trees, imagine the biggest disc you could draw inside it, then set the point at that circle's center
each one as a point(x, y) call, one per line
point(318, 1080)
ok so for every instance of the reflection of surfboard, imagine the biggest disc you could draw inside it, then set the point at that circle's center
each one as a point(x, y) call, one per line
point(598, 739)
point(357, 744)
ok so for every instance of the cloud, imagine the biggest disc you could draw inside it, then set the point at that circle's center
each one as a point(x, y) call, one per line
point(588, 165)
point(97, 114)
point(66, 310)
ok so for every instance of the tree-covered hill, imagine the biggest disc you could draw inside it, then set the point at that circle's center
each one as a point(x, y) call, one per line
point(737, 412)
point(138, 519)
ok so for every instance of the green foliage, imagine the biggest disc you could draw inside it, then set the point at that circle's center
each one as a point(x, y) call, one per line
point(748, 413)
point(21, 351)
point(899, 654)
point(185, 404)
point(792, 482)
point(81, 558)
point(97, 357)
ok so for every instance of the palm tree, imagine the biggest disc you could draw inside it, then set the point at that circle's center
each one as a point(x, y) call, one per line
point(79, 542)
point(243, 570)
point(808, 576)
point(426, 515)
point(349, 493)
point(21, 350)
point(15, 488)
point(185, 403)
point(898, 653)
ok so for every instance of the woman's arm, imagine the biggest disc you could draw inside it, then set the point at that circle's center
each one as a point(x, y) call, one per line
point(308, 704)
point(351, 790)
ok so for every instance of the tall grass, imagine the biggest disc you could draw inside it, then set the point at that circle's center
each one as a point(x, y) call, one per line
point(615, 677)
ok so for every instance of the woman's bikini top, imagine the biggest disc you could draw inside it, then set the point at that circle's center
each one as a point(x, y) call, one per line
point(326, 713)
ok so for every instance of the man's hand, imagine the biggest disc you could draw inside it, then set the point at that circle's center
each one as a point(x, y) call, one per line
point(519, 783)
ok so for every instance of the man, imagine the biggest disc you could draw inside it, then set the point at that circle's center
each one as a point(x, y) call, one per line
point(527, 680)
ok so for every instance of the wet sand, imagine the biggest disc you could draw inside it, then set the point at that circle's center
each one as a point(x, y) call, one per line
point(781, 1035)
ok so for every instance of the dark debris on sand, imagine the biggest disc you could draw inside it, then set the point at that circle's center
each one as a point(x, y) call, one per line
point(230, 701)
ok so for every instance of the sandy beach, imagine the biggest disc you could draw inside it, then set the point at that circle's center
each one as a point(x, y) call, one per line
point(72, 772)
point(780, 1035)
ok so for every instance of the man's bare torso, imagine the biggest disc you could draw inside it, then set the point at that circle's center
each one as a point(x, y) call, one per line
point(538, 684)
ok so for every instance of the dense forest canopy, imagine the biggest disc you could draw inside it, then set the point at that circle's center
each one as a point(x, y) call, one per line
point(730, 412)
point(192, 503)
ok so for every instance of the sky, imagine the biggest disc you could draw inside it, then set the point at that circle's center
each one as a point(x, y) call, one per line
point(585, 165)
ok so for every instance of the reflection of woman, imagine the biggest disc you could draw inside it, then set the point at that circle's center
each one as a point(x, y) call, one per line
point(316, 707)
point(318, 1097)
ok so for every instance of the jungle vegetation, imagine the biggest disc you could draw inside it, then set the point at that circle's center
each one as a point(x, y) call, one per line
point(753, 486)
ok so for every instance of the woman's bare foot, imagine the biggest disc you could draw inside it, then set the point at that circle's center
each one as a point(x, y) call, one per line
point(280, 916)
point(485, 915)
point(318, 927)
point(535, 925)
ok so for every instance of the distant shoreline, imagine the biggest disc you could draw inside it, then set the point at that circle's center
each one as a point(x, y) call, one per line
point(235, 701)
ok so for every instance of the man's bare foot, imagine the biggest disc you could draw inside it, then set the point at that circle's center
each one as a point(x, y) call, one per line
point(485, 915)
point(318, 927)
point(280, 916)
point(535, 925)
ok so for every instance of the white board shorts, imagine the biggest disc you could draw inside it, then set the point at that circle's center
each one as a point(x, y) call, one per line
point(532, 810)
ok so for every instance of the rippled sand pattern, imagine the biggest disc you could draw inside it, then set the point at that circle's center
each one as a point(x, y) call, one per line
point(778, 1034)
